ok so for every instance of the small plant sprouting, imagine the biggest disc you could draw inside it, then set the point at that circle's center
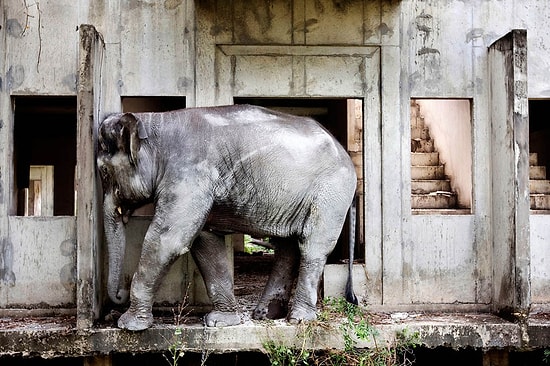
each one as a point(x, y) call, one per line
point(355, 326)
point(281, 355)
point(176, 349)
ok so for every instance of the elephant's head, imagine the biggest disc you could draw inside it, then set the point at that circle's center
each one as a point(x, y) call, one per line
point(123, 178)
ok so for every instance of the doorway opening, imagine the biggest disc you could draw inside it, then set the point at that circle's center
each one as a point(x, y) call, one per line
point(45, 154)
point(343, 118)
point(441, 156)
point(539, 156)
point(138, 104)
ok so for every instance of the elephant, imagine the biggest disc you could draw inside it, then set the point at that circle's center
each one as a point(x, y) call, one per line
point(210, 171)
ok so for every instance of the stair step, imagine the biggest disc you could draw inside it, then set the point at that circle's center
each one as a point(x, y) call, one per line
point(537, 172)
point(539, 186)
point(420, 131)
point(433, 201)
point(424, 172)
point(533, 159)
point(415, 110)
point(431, 185)
point(426, 159)
point(540, 201)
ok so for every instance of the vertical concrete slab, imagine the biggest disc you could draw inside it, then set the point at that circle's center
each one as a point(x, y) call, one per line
point(156, 53)
point(7, 277)
point(261, 22)
point(481, 156)
point(510, 172)
point(438, 47)
point(88, 99)
point(372, 165)
point(321, 15)
point(394, 194)
point(205, 47)
point(40, 34)
point(43, 263)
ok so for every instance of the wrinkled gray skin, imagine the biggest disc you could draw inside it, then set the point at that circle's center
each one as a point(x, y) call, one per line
point(212, 171)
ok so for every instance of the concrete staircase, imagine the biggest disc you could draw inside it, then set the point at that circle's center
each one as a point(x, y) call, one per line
point(539, 186)
point(430, 187)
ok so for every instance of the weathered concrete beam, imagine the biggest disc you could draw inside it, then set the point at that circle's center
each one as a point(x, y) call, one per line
point(538, 331)
point(51, 339)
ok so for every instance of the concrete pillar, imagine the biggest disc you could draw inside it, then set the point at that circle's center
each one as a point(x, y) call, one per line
point(510, 173)
point(87, 222)
point(237, 242)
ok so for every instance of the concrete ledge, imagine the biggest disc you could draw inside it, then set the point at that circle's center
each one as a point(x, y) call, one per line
point(55, 337)
point(538, 331)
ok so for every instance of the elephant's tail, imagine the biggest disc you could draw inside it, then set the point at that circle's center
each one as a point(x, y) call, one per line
point(350, 295)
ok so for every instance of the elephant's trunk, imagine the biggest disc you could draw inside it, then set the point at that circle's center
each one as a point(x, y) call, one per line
point(116, 246)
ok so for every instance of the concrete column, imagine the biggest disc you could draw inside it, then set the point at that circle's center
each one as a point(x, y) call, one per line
point(7, 276)
point(510, 173)
point(87, 223)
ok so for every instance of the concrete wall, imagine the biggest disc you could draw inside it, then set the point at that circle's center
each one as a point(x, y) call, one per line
point(383, 51)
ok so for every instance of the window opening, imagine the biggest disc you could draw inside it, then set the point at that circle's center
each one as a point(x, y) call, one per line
point(38, 198)
point(539, 156)
point(441, 150)
point(151, 104)
point(344, 119)
point(45, 154)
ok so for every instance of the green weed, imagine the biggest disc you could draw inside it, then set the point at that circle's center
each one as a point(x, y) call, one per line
point(356, 325)
point(177, 346)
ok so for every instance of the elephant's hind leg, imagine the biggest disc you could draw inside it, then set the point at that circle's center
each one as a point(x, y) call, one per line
point(304, 305)
point(274, 301)
point(316, 243)
point(209, 253)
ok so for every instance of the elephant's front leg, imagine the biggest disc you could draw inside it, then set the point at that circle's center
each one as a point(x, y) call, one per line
point(162, 245)
point(209, 253)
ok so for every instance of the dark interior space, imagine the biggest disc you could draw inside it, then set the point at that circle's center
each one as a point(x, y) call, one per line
point(539, 130)
point(333, 115)
point(422, 356)
point(152, 104)
point(45, 134)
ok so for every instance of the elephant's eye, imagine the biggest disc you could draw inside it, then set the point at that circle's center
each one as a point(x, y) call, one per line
point(104, 170)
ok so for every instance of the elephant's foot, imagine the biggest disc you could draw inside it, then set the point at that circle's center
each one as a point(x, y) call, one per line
point(276, 309)
point(222, 318)
point(135, 322)
point(299, 315)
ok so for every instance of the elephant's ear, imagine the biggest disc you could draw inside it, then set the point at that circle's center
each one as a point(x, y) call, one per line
point(131, 134)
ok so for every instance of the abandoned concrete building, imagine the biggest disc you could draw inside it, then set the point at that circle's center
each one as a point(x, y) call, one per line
point(440, 103)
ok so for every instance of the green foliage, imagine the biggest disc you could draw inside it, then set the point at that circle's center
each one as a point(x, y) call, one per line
point(177, 346)
point(280, 355)
point(356, 325)
point(250, 247)
point(546, 355)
